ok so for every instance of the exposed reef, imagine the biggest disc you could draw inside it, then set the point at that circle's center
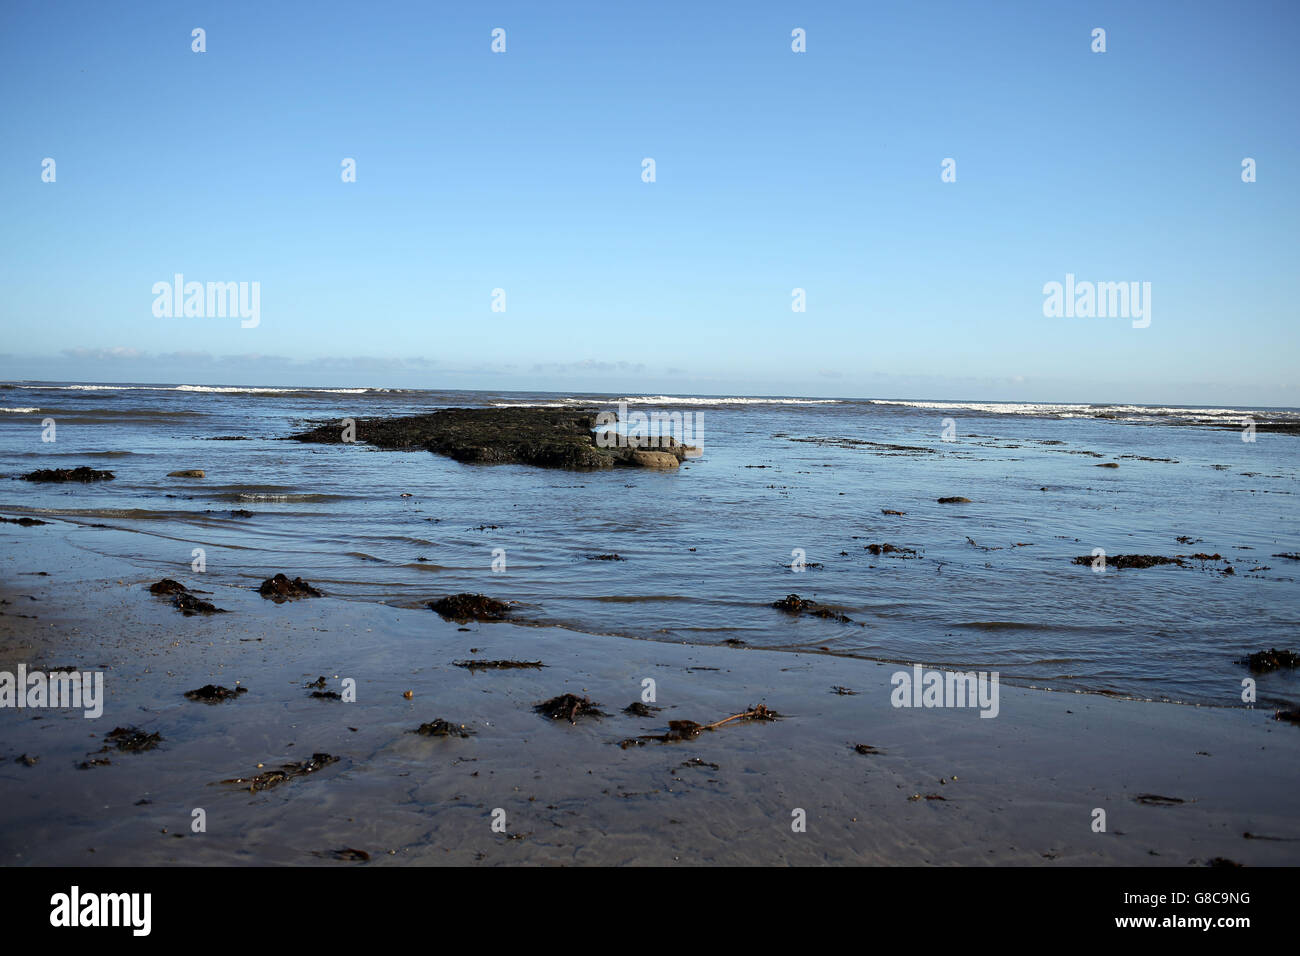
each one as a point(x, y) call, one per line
point(542, 437)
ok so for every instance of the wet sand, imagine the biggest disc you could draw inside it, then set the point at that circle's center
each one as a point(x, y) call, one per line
point(1017, 789)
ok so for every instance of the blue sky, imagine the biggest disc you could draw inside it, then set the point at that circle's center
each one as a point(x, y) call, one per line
point(775, 170)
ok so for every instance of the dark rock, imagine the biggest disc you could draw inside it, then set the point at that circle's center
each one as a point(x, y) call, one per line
point(954, 500)
point(68, 474)
point(280, 589)
point(470, 607)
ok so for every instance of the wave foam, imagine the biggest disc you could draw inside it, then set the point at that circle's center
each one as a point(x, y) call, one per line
point(1062, 410)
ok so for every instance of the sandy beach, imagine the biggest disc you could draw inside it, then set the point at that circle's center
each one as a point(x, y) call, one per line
point(944, 787)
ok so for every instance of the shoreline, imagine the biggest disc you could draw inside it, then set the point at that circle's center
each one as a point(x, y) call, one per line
point(570, 794)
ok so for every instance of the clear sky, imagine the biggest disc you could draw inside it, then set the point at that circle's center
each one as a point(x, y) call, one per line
point(775, 170)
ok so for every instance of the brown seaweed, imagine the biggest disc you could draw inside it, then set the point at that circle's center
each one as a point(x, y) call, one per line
point(442, 728)
point(481, 665)
point(569, 707)
point(273, 778)
point(1270, 660)
point(794, 604)
point(279, 589)
point(132, 740)
point(214, 693)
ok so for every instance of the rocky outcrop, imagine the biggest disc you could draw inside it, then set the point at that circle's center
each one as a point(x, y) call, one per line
point(542, 437)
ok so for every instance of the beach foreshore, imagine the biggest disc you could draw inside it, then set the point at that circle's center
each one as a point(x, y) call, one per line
point(944, 785)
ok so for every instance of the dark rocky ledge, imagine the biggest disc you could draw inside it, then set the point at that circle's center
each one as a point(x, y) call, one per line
point(544, 437)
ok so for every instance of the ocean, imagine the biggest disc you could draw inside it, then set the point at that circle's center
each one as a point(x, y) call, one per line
point(789, 496)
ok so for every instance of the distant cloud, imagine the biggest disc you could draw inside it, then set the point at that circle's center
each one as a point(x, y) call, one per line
point(361, 364)
point(104, 354)
point(589, 365)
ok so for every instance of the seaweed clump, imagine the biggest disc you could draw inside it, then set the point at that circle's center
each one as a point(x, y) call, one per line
point(189, 605)
point(183, 599)
point(569, 707)
point(214, 693)
point(168, 586)
point(280, 588)
point(442, 728)
point(68, 474)
point(273, 778)
point(680, 730)
point(131, 739)
point(887, 548)
point(794, 604)
point(480, 665)
point(639, 709)
point(1122, 561)
point(470, 607)
point(1270, 660)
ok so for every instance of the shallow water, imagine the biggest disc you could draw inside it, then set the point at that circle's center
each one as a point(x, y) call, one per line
point(707, 549)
